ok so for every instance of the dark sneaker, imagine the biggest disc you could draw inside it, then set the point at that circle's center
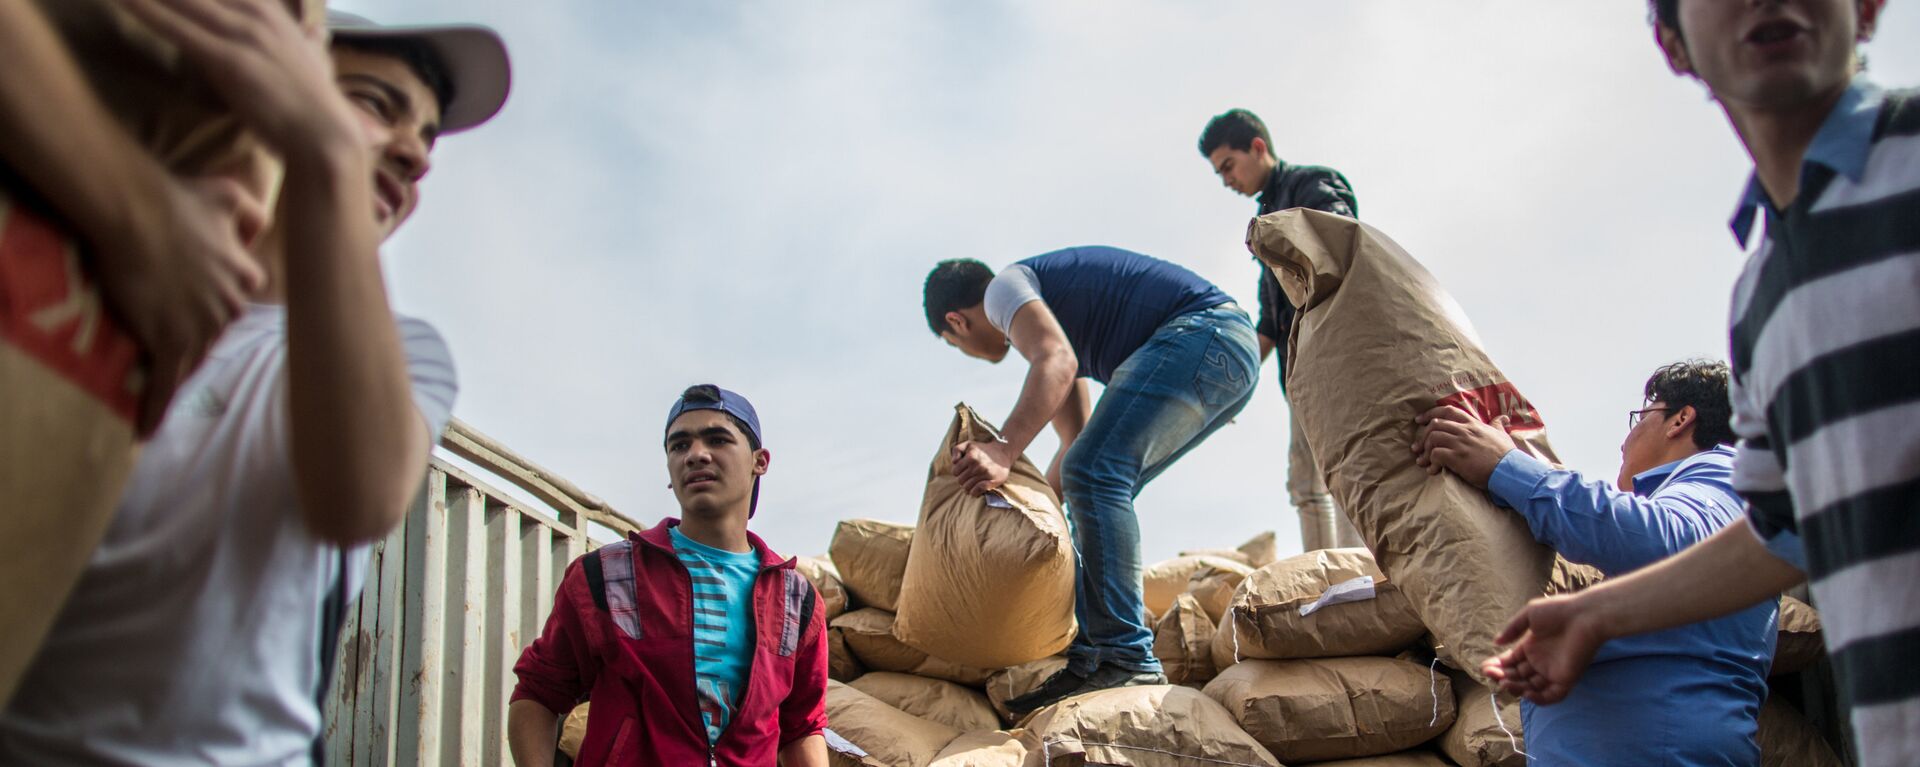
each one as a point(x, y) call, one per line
point(1110, 677)
point(1058, 686)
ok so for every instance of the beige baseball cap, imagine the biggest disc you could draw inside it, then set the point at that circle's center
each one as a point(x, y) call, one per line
point(474, 56)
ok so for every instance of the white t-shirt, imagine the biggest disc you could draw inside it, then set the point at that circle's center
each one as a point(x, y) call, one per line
point(1014, 287)
point(194, 635)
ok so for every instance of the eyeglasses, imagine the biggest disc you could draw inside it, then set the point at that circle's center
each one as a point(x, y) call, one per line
point(1634, 416)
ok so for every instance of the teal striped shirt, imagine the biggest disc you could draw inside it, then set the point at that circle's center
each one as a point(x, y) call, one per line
point(722, 626)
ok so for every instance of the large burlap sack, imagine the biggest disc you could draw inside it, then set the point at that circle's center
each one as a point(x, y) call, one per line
point(1335, 708)
point(70, 377)
point(1402, 759)
point(1479, 738)
point(1787, 739)
point(1265, 621)
point(826, 580)
point(871, 557)
point(888, 735)
point(1261, 550)
point(1799, 643)
point(1146, 726)
point(1377, 342)
point(841, 665)
point(989, 580)
point(1213, 588)
point(1183, 641)
point(1009, 683)
point(869, 634)
point(962, 708)
point(983, 749)
point(1163, 581)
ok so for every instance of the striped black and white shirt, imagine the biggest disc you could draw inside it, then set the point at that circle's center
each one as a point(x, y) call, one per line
point(1826, 399)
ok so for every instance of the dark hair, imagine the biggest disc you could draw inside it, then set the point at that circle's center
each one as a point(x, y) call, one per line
point(1701, 384)
point(709, 394)
point(954, 284)
point(1234, 129)
point(1665, 13)
point(420, 57)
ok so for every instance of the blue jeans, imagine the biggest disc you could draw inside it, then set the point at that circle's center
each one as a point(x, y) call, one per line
point(1191, 377)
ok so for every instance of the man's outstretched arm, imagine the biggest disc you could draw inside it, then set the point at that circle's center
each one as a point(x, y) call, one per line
point(1554, 638)
point(1051, 369)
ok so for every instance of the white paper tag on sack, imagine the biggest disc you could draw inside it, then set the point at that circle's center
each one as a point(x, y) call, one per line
point(995, 501)
point(1356, 590)
point(842, 745)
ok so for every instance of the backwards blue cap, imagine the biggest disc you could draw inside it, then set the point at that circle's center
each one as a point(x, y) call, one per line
point(734, 405)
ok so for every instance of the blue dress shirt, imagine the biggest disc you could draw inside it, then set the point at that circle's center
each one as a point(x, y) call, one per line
point(1685, 696)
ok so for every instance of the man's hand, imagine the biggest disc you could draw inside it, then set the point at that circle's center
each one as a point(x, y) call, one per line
point(273, 72)
point(1556, 640)
point(176, 272)
point(982, 466)
point(1452, 439)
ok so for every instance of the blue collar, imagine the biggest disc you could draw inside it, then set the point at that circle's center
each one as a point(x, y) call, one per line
point(1842, 145)
point(1650, 481)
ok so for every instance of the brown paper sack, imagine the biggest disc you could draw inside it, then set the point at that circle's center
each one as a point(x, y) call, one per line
point(1402, 759)
point(841, 665)
point(69, 369)
point(1183, 641)
point(1234, 555)
point(826, 580)
point(871, 557)
point(1378, 342)
point(1265, 612)
point(1163, 581)
point(889, 736)
point(983, 749)
point(1787, 739)
point(1261, 550)
point(962, 708)
point(869, 634)
point(1145, 726)
point(1009, 683)
point(1213, 588)
point(1335, 708)
point(1477, 738)
point(989, 580)
point(1799, 643)
point(573, 731)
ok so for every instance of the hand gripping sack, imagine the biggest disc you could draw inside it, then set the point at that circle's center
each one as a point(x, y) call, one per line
point(989, 580)
point(70, 372)
point(1377, 342)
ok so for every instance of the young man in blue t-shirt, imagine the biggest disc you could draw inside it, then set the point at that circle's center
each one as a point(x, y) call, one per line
point(1178, 359)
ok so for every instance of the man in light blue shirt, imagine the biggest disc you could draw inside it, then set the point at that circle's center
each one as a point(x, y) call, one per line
point(1686, 696)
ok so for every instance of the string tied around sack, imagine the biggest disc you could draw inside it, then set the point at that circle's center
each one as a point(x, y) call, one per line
point(1513, 741)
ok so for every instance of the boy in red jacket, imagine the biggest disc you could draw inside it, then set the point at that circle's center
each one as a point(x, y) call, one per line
point(696, 643)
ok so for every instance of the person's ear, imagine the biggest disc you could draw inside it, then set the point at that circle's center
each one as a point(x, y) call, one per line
point(957, 323)
point(1682, 422)
point(762, 459)
point(1675, 47)
point(1259, 147)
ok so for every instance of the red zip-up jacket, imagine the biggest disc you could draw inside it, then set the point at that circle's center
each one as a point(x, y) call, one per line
point(621, 633)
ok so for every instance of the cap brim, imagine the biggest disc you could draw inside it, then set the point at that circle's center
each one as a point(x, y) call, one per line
point(476, 61)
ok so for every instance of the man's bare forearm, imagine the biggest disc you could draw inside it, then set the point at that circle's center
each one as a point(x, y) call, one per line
point(60, 139)
point(810, 751)
point(359, 443)
point(1050, 377)
point(1728, 572)
point(531, 733)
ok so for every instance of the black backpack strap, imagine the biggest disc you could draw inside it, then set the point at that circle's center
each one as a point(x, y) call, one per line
point(596, 580)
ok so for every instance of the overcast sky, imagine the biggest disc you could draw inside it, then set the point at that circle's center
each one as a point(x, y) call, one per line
point(751, 194)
